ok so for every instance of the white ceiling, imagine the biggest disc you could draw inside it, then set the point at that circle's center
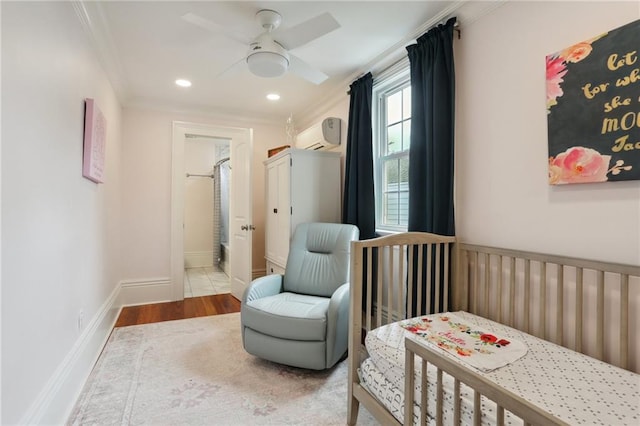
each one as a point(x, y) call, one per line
point(146, 46)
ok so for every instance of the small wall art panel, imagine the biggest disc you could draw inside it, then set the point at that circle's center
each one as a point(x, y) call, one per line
point(593, 109)
point(95, 136)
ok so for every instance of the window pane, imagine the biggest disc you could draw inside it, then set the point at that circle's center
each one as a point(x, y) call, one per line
point(406, 134)
point(390, 175)
point(403, 191)
point(394, 108)
point(394, 138)
point(404, 173)
point(403, 216)
point(406, 103)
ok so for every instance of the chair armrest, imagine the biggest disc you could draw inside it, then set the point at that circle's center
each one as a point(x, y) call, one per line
point(269, 285)
point(338, 324)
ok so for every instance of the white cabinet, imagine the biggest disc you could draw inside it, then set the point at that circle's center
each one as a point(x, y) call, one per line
point(301, 186)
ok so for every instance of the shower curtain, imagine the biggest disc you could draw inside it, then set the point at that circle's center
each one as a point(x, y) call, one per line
point(219, 222)
point(216, 215)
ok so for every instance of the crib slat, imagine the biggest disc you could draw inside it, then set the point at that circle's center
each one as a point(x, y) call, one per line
point(624, 320)
point(424, 383)
point(579, 306)
point(409, 386)
point(420, 281)
point(410, 282)
point(439, 398)
point(389, 268)
point(456, 402)
point(543, 299)
point(600, 316)
point(477, 410)
point(499, 415)
point(379, 288)
point(527, 293)
point(369, 271)
point(476, 272)
point(445, 298)
point(401, 257)
point(559, 304)
point(427, 279)
point(436, 284)
point(499, 297)
point(487, 270)
point(512, 290)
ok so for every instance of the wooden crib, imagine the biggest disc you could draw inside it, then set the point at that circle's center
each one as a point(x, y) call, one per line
point(588, 307)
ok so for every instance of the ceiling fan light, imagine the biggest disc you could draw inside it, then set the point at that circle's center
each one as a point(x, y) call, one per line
point(267, 64)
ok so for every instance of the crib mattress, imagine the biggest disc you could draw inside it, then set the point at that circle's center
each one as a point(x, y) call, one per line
point(392, 398)
point(573, 387)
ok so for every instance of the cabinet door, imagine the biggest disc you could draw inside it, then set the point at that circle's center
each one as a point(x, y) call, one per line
point(283, 217)
point(271, 225)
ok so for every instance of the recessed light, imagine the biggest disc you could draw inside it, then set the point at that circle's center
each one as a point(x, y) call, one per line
point(183, 83)
point(273, 96)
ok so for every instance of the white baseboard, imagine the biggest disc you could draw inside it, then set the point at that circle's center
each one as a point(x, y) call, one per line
point(140, 292)
point(57, 399)
point(198, 259)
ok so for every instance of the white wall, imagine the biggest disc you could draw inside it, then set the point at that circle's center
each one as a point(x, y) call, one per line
point(503, 198)
point(146, 174)
point(60, 232)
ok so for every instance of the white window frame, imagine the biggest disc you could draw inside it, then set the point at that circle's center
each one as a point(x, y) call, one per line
point(381, 89)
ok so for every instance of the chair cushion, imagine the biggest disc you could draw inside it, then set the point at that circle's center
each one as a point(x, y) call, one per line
point(318, 261)
point(288, 316)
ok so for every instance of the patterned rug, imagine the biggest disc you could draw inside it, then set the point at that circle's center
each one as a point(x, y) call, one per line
point(195, 372)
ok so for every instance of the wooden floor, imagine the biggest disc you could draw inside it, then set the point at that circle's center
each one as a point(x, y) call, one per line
point(189, 308)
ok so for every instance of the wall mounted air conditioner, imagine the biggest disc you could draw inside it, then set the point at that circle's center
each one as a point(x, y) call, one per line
point(322, 135)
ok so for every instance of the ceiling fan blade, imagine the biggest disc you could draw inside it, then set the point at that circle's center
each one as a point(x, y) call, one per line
point(302, 69)
point(307, 31)
point(233, 69)
point(214, 28)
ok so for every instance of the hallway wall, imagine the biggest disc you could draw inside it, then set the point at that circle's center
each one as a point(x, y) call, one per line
point(60, 232)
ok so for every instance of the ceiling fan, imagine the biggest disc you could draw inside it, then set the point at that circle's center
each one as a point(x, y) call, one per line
point(269, 53)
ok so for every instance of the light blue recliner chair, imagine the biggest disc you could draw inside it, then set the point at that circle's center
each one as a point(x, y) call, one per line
point(301, 319)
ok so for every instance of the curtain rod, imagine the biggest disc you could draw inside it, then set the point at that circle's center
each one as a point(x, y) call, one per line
point(456, 28)
point(207, 176)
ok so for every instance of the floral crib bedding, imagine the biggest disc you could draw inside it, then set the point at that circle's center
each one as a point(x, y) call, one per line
point(573, 387)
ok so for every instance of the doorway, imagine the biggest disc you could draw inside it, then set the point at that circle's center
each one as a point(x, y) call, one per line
point(206, 216)
point(240, 203)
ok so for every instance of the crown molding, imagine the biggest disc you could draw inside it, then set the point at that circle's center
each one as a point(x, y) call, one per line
point(240, 118)
point(94, 23)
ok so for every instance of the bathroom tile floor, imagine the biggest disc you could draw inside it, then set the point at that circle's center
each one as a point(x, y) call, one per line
point(205, 281)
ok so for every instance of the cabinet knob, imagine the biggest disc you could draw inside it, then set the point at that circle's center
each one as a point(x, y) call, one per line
point(275, 210)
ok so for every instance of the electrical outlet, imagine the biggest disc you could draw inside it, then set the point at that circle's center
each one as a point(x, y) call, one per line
point(80, 320)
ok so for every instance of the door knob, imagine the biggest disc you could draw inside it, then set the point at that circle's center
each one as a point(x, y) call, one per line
point(244, 228)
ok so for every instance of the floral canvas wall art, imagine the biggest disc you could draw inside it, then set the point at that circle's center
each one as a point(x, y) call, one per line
point(95, 135)
point(593, 109)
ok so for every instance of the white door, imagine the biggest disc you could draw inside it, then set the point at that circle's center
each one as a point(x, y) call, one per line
point(241, 222)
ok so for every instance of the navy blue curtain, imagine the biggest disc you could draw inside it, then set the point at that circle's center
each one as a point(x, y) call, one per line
point(432, 137)
point(358, 207)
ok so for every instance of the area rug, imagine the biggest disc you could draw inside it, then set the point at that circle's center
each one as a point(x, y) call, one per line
point(195, 372)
